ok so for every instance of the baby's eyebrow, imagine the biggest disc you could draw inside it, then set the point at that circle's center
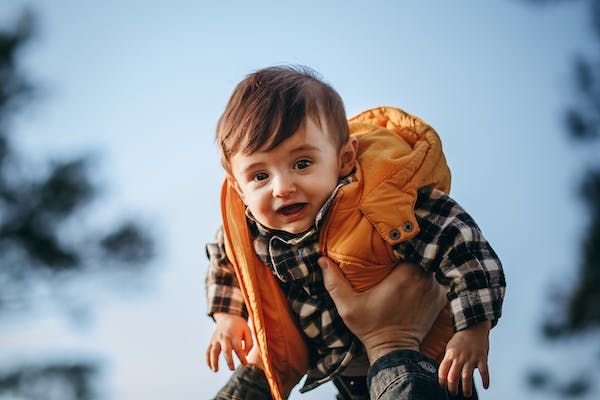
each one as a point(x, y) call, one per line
point(251, 167)
point(305, 147)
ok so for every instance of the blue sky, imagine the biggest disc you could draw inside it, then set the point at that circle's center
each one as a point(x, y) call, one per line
point(141, 84)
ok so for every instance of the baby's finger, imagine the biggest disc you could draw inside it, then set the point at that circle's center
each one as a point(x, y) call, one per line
point(237, 347)
point(467, 379)
point(208, 355)
point(443, 372)
point(215, 350)
point(248, 343)
point(454, 378)
point(227, 354)
point(485, 375)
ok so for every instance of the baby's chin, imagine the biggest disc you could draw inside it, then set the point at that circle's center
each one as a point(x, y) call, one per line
point(293, 229)
point(296, 231)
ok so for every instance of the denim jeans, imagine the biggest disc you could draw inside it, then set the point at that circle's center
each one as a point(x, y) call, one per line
point(401, 374)
point(405, 375)
point(248, 382)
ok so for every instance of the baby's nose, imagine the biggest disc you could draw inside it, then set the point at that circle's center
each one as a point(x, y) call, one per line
point(283, 186)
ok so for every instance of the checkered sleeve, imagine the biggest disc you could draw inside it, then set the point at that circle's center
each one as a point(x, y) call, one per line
point(222, 289)
point(451, 245)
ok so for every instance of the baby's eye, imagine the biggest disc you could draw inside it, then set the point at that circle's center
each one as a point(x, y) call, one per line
point(260, 176)
point(303, 164)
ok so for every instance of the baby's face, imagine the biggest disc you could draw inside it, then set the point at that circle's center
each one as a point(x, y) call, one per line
point(285, 187)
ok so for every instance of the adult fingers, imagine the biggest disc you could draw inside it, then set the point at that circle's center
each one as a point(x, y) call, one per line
point(336, 284)
point(214, 351)
point(467, 379)
point(227, 354)
point(239, 351)
point(485, 375)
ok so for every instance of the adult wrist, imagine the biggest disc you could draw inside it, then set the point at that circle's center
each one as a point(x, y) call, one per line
point(376, 348)
point(386, 339)
point(375, 353)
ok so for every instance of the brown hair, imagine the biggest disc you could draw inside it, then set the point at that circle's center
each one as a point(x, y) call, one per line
point(271, 104)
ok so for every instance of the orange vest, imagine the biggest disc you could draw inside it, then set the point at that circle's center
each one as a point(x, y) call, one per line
point(397, 154)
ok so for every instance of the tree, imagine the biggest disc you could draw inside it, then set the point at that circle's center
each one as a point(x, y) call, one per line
point(578, 310)
point(35, 208)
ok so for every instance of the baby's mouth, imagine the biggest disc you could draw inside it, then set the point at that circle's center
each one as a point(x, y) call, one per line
point(291, 209)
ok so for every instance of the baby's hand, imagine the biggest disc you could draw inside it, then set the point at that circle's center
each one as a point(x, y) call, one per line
point(467, 350)
point(232, 333)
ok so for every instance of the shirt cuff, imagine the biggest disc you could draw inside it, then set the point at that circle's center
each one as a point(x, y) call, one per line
point(225, 299)
point(474, 306)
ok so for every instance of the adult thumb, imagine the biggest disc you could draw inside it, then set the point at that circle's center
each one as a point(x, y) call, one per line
point(336, 284)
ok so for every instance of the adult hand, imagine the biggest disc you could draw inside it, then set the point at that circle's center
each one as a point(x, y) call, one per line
point(394, 315)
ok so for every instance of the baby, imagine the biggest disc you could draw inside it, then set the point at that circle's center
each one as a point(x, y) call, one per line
point(302, 182)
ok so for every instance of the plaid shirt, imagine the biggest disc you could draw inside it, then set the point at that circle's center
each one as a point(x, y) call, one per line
point(449, 244)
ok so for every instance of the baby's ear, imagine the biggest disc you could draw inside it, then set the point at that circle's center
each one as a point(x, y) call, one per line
point(233, 183)
point(348, 154)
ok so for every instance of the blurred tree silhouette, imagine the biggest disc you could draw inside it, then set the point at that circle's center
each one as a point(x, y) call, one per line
point(54, 382)
point(578, 310)
point(34, 212)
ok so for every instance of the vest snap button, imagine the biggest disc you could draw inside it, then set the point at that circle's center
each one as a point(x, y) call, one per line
point(407, 226)
point(395, 234)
